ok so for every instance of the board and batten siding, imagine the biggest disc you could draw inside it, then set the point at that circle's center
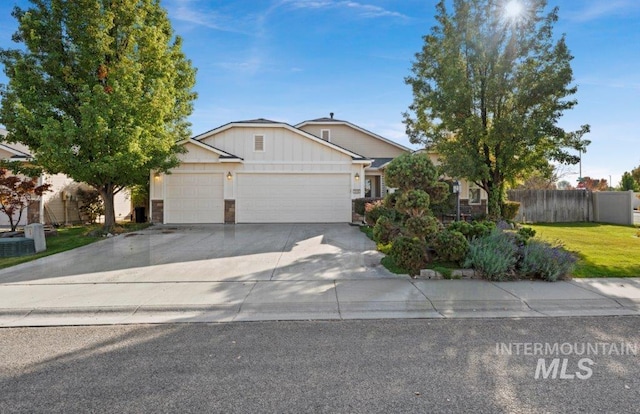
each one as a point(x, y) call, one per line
point(357, 141)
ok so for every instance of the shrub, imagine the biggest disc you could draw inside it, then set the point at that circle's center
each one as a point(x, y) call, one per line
point(540, 259)
point(524, 234)
point(413, 202)
point(385, 248)
point(409, 253)
point(451, 245)
point(385, 230)
point(375, 210)
point(391, 199)
point(425, 227)
point(510, 210)
point(90, 204)
point(472, 230)
point(495, 255)
point(359, 204)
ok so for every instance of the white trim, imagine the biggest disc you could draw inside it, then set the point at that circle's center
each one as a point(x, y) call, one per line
point(207, 147)
point(279, 125)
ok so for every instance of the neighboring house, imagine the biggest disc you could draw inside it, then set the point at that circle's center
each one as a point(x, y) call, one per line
point(473, 199)
point(60, 205)
point(260, 171)
point(347, 135)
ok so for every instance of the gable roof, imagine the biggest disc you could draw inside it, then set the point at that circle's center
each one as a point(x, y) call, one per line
point(332, 121)
point(18, 151)
point(266, 123)
point(223, 155)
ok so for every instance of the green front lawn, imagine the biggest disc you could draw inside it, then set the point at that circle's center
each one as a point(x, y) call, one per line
point(605, 250)
point(68, 238)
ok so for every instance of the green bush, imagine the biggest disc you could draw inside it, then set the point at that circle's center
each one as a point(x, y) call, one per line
point(550, 263)
point(495, 255)
point(450, 245)
point(385, 230)
point(409, 253)
point(524, 234)
point(472, 230)
point(375, 210)
point(510, 210)
point(413, 202)
point(425, 227)
point(359, 204)
point(385, 248)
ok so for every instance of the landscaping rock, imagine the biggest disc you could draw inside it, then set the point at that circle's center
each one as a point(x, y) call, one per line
point(463, 274)
point(429, 274)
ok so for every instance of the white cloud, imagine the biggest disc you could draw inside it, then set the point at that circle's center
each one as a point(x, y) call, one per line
point(599, 8)
point(189, 11)
point(361, 9)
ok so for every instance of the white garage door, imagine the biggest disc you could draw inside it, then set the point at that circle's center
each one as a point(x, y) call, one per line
point(293, 198)
point(194, 198)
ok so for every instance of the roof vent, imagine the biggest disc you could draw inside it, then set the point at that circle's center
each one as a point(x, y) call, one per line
point(331, 115)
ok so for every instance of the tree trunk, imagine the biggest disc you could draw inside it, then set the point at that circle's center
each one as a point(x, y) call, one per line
point(495, 201)
point(107, 194)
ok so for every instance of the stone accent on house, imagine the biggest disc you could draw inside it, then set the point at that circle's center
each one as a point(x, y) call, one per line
point(33, 212)
point(229, 211)
point(157, 211)
point(473, 209)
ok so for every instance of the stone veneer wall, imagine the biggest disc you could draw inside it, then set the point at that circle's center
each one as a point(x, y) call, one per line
point(229, 211)
point(157, 213)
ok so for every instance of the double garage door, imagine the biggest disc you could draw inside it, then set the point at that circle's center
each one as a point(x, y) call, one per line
point(260, 198)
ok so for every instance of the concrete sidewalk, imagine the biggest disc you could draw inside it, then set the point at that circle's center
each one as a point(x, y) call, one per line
point(399, 297)
point(256, 272)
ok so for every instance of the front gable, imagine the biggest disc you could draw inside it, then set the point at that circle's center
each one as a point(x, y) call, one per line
point(272, 142)
point(350, 136)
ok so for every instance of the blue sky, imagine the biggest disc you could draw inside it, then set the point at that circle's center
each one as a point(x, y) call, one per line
point(293, 60)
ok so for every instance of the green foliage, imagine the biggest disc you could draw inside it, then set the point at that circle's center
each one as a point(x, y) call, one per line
point(628, 183)
point(98, 90)
point(488, 92)
point(385, 230)
point(472, 230)
point(415, 203)
point(409, 253)
point(391, 266)
point(510, 210)
point(550, 263)
point(375, 210)
point(368, 231)
point(524, 234)
point(90, 204)
point(450, 245)
point(495, 255)
point(411, 171)
point(360, 203)
point(385, 248)
point(423, 227)
point(438, 192)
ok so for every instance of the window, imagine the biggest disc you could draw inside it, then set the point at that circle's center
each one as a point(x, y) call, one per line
point(474, 195)
point(258, 143)
point(325, 134)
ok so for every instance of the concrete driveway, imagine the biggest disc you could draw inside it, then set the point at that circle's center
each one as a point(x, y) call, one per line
point(212, 253)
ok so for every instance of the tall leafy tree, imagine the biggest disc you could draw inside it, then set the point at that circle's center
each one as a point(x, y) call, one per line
point(628, 183)
point(100, 91)
point(489, 86)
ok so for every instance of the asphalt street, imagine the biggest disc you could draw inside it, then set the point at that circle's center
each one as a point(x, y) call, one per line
point(388, 366)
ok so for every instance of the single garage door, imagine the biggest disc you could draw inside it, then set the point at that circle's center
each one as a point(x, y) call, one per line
point(293, 198)
point(194, 198)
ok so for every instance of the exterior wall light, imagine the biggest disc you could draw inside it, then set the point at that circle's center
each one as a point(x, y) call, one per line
point(229, 176)
point(357, 177)
point(156, 176)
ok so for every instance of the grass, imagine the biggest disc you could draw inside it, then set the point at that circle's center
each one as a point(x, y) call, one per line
point(604, 250)
point(69, 238)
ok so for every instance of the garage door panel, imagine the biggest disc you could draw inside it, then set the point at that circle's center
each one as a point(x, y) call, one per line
point(303, 198)
point(194, 198)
